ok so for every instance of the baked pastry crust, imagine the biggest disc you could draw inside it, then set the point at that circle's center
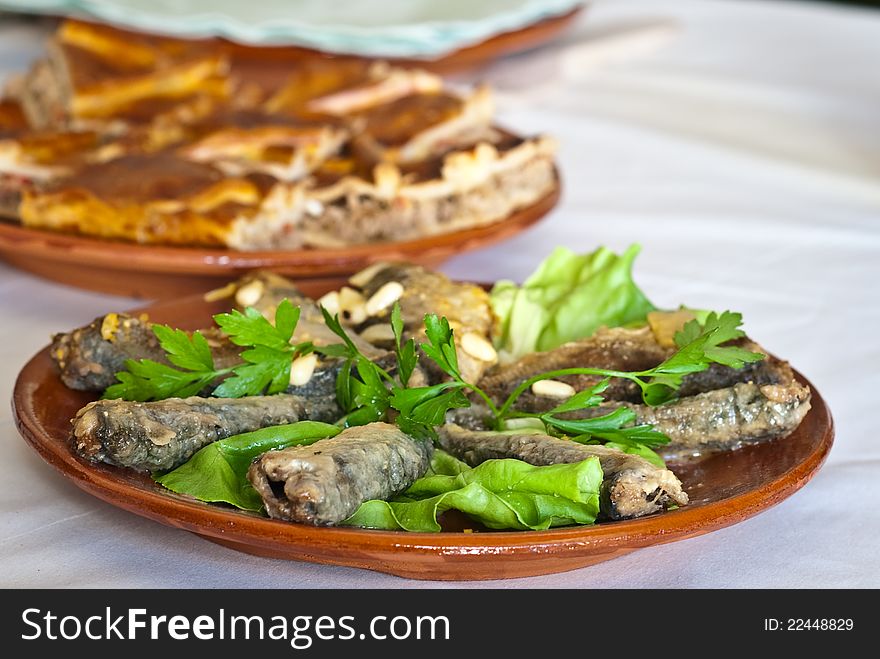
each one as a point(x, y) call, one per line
point(157, 141)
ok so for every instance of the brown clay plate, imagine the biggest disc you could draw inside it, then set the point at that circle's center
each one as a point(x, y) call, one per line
point(155, 272)
point(725, 488)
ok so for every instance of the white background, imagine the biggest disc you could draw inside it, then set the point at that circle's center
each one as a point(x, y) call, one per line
point(743, 154)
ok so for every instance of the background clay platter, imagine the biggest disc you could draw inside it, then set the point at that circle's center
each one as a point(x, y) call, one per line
point(156, 272)
point(725, 489)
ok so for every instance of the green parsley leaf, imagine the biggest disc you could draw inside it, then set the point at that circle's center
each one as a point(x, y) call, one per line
point(589, 397)
point(441, 347)
point(609, 427)
point(188, 352)
point(349, 349)
point(266, 370)
point(265, 367)
point(699, 346)
point(146, 379)
point(406, 352)
point(429, 405)
point(252, 329)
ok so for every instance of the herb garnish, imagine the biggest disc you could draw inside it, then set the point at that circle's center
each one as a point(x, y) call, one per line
point(421, 408)
point(366, 392)
point(266, 366)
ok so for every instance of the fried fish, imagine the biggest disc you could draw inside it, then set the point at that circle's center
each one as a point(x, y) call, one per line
point(325, 483)
point(420, 292)
point(89, 357)
point(721, 419)
point(164, 434)
point(632, 486)
point(621, 349)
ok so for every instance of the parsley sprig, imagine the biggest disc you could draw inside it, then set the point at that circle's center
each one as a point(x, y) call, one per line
point(699, 346)
point(367, 392)
point(265, 367)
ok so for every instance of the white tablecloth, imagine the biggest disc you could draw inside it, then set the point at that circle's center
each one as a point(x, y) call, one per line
point(743, 155)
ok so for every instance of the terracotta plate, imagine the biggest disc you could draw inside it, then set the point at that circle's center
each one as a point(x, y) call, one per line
point(157, 272)
point(724, 489)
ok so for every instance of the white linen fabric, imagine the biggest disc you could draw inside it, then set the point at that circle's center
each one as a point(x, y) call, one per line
point(744, 155)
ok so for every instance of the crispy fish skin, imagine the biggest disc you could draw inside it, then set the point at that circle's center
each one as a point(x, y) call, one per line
point(723, 419)
point(715, 420)
point(164, 434)
point(466, 306)
point(621, 349)
point(325, 483)
point(89, 357)
point(632, 486)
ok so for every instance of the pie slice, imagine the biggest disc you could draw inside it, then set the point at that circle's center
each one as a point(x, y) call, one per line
point(241, 142)
point(32, 158)
point(330, 87)
point(165, 199)
point(353, 201)
point(418, 126)
point(95, 74)
point(149, 139)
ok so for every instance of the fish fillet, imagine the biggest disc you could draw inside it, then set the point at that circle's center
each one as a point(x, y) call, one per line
point(325, 483)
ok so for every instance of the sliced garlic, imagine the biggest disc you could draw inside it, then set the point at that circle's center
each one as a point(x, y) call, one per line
point(352, 305)
point(478, 347)
point(553, 389)
point(330, 301)
point(249, 294)
point(384, 297)
point(302, 368)
point(365, 276)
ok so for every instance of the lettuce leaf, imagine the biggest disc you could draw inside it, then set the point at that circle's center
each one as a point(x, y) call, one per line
point(568, 297)
point(218, 471)
point(500, 494)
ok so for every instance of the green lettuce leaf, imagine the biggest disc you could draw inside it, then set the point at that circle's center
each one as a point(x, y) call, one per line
point(568, 297)
point(500, 494)
point(218, 472)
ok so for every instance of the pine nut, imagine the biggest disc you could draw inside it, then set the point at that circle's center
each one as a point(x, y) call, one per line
point(302, 368)
point(352, 305)
point(330, 301)
point(478, 347)
point(249, 294)
point(365, 276)
point(553, 389)
point(384, 297)
point(380, 333)
point(314, 207)
point(220, 293)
